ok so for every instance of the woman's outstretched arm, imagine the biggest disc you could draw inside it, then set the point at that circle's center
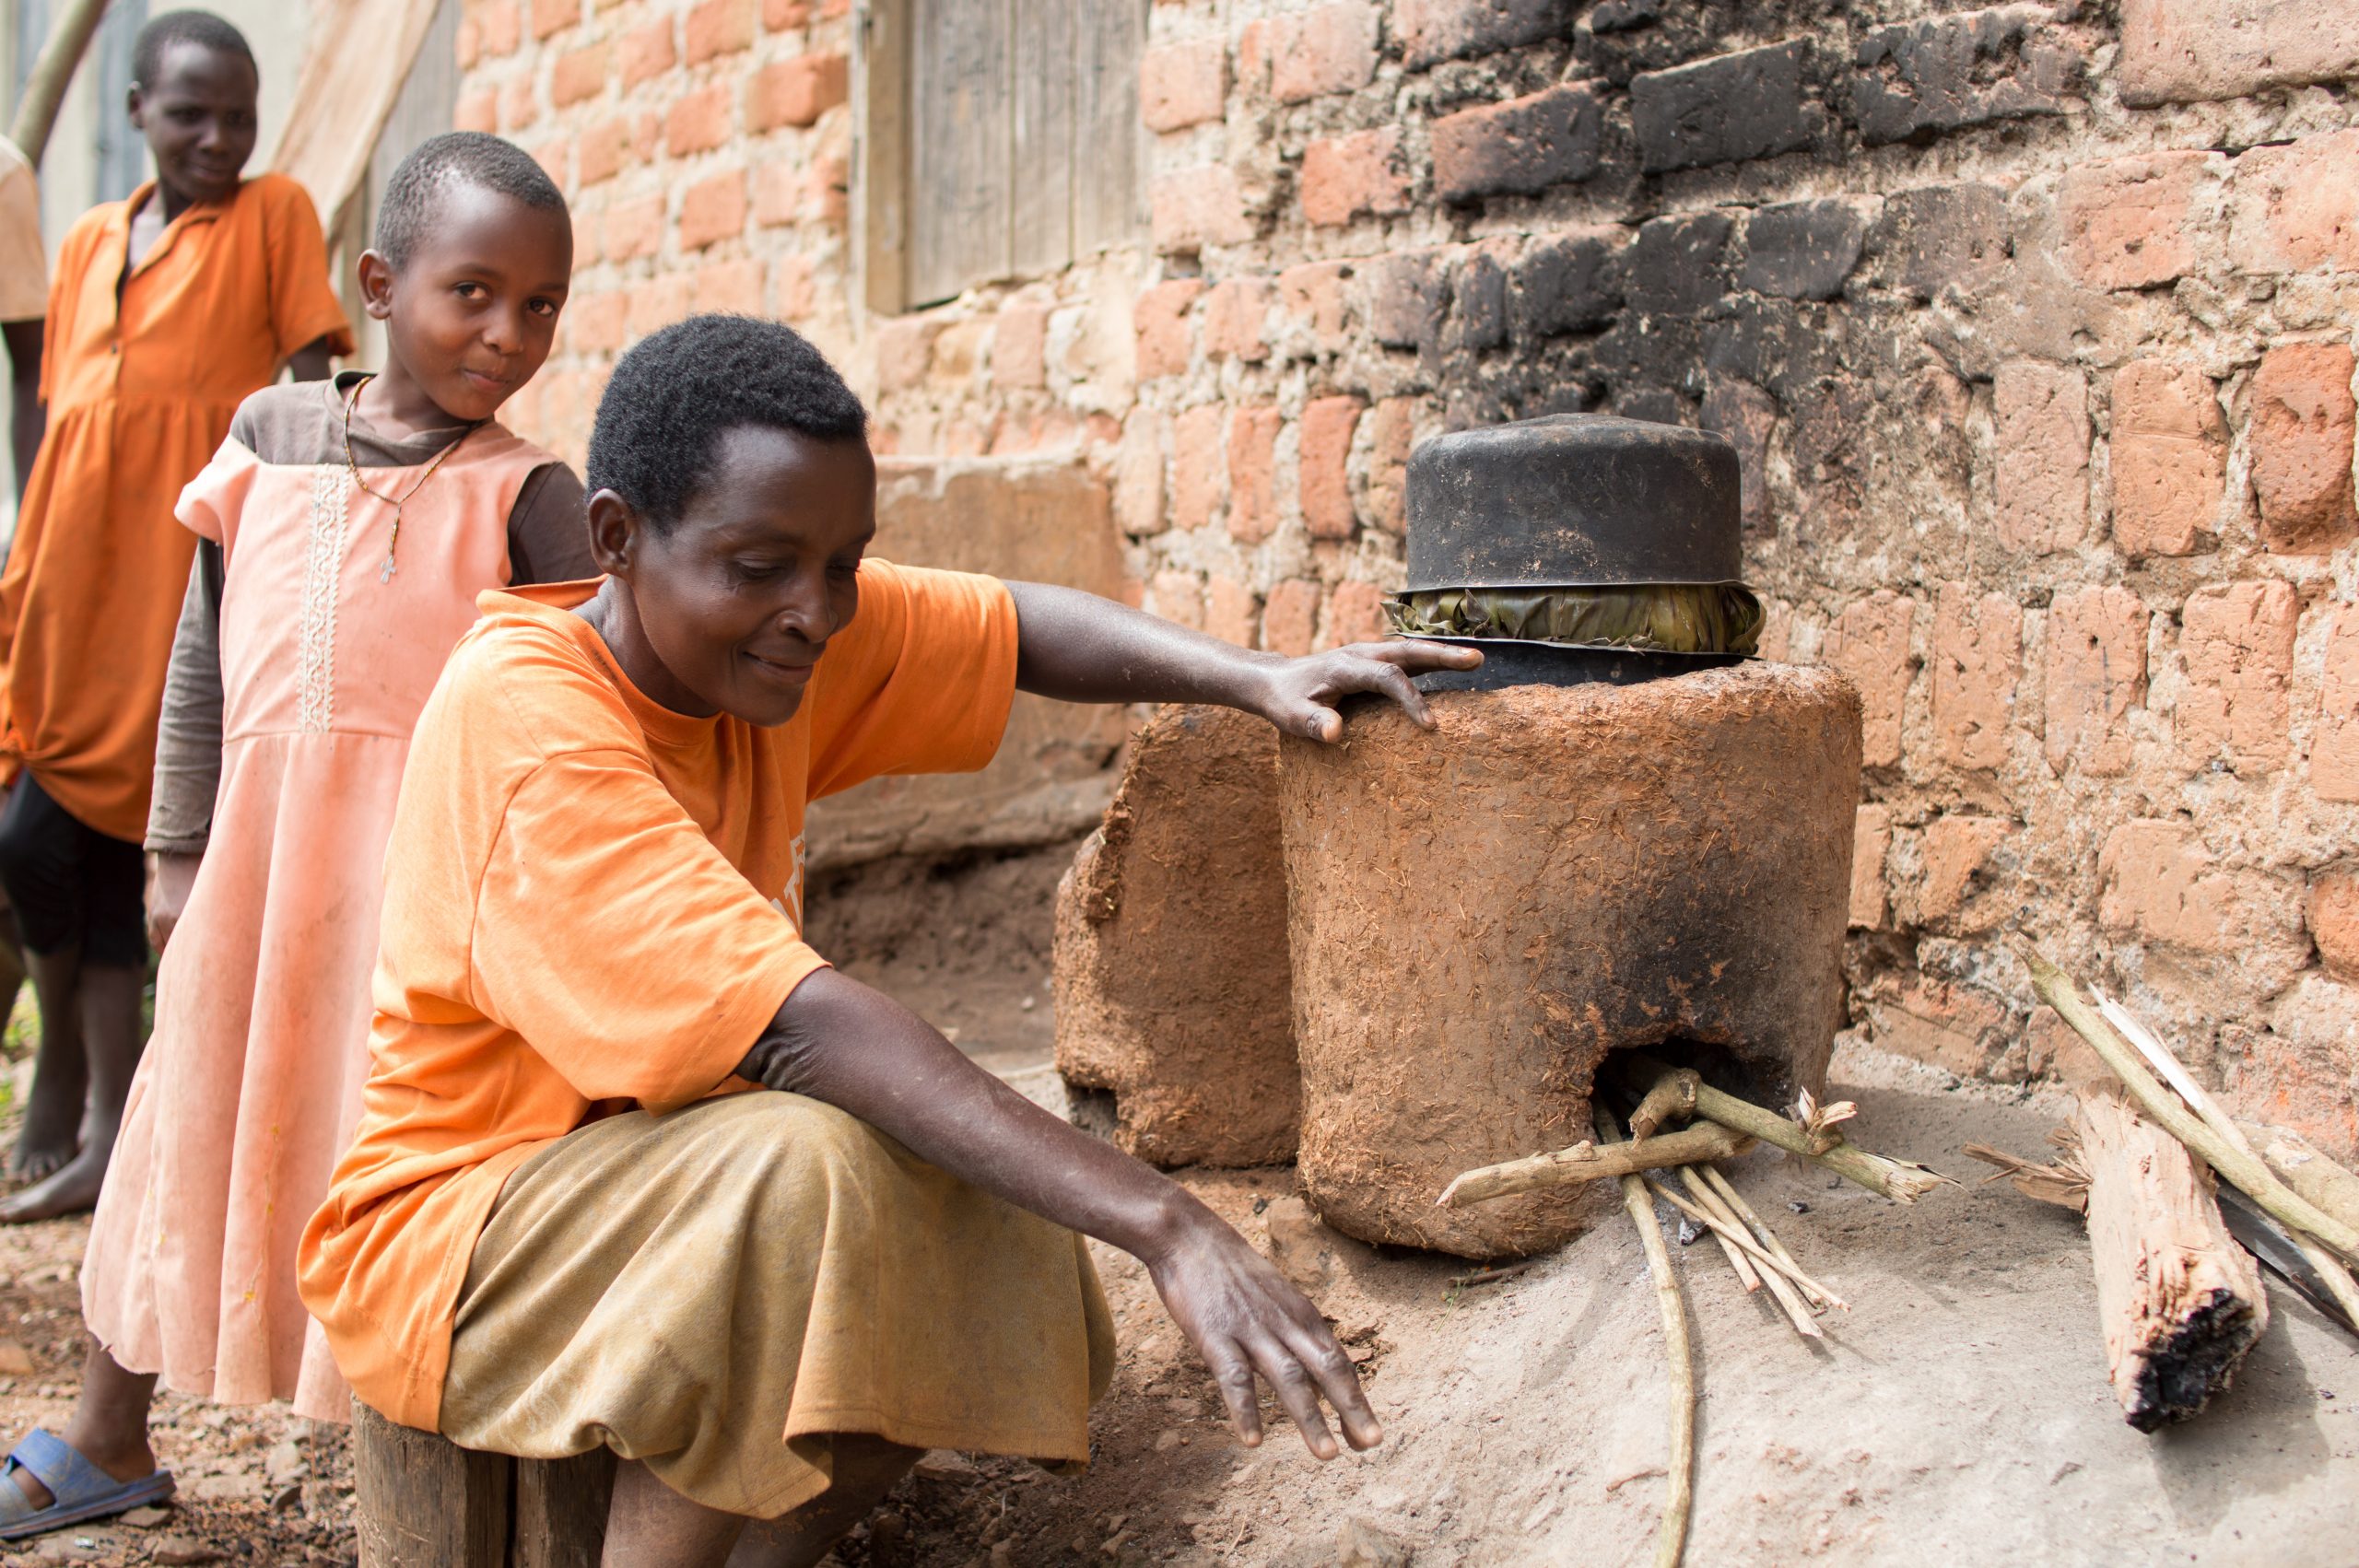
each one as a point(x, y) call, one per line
point(1079, 648)
point(839, 1041)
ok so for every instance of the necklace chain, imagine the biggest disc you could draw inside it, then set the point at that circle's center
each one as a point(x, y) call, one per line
point(393, 540)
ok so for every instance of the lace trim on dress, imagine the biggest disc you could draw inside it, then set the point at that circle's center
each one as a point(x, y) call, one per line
point(322, 571)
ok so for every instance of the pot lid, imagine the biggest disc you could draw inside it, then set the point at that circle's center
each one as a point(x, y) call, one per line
point(1574, 501)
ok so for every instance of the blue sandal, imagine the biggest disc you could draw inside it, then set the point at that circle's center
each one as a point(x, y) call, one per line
point(80, 1490)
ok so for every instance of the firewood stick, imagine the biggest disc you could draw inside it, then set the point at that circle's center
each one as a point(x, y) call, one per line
point(2314, 1175)
point(1781, 1290)
point(2331, 1272)
point(1672, 1098)
point(1754, 1221)
point(2179, 1300)
point(1671, 1537)
point(1746, 1274)
point(1746, 1241)
point(1587, 1162)
point(2252, 1174)
point(1899, 1180)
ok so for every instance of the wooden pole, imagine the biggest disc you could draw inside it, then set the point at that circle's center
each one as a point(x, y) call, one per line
point(2317, 1179)
point(2260, 1182)
point(1588, 1162)
point(1671, 1537)
point(61, 54)
point(2179, 1300)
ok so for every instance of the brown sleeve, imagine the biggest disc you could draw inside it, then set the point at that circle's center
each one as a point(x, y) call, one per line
point(188, 735)
point(549, 529)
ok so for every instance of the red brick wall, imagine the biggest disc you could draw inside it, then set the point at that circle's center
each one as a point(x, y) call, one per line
point(2032, 324)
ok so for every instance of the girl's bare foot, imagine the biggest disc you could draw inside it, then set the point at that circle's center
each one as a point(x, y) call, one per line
point(71, 1189)
point(61, 1070)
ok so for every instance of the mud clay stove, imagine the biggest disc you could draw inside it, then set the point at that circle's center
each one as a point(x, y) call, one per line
point(1624, 835)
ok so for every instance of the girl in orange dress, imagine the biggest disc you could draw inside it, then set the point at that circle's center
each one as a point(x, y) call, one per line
point(166, 310)
point(347, 528)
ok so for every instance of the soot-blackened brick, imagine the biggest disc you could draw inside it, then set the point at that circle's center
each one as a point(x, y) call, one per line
point(1749, 104)
point(1940, 234)
point(1567, 283)
point(1406, 296)
point(1679, 265)
point(1624, 15)
point(1803, 250)
point(1433, 30)
point(1479, 303)
point(1518, 147)
point(1921, 78)
point(1774, 343)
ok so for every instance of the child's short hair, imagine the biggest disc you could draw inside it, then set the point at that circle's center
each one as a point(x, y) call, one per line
point(201, 27)
point(454, 158)
point(673, 396)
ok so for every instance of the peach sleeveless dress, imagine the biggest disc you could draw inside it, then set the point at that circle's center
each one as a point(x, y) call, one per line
point(250, 1086)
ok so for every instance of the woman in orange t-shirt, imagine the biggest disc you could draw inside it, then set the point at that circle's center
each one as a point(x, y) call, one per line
point(165, 311)
point(555, 1229)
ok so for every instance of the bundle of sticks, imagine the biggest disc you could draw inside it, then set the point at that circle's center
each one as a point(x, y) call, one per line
point(1723, 1125)
point(2179, 1299)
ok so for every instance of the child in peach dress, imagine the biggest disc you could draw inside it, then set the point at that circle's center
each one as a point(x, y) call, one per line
point(348, 527)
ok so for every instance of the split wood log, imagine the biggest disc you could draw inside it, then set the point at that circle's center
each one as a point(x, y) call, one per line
point(1586, 1161)
point(52, 73)
point(2179, 1300)
point(1900, 1180)
point(1670, 1537)
point(2284, 1205)
point(2330, 1269)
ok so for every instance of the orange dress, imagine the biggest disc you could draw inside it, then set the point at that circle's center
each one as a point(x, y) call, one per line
point(250, 1086)
point(592, 902)
point(141, 383)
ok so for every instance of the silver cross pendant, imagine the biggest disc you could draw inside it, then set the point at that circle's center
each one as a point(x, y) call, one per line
point(385, 572)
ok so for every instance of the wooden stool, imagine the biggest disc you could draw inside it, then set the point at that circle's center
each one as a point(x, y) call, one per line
point(427, 1502)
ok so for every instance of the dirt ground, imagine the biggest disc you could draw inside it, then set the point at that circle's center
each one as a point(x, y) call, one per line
point(1959, 1413)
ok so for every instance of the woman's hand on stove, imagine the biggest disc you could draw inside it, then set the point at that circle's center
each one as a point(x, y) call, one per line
point(1301, 696)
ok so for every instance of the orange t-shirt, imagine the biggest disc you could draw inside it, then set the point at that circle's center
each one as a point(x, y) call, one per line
point(142, 372)
point(592, 902)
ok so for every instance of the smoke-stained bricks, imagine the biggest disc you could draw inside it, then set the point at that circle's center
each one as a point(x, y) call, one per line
point(1750, 104)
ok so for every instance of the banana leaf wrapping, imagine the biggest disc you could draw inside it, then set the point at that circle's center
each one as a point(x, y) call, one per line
point(1660, 617)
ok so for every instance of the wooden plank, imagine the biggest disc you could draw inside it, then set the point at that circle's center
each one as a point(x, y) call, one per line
point(2179, 1302)
point(959, 152)
point(561, 1509)
point(424, 1502)
point(1110, 179)
point(881, 183)
point(1041, 133)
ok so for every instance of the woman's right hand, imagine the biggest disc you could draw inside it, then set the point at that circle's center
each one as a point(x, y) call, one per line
point(1248, 1323)
point(170, 877)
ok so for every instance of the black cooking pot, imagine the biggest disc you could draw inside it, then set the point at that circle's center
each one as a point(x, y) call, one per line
point(1574, 501)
